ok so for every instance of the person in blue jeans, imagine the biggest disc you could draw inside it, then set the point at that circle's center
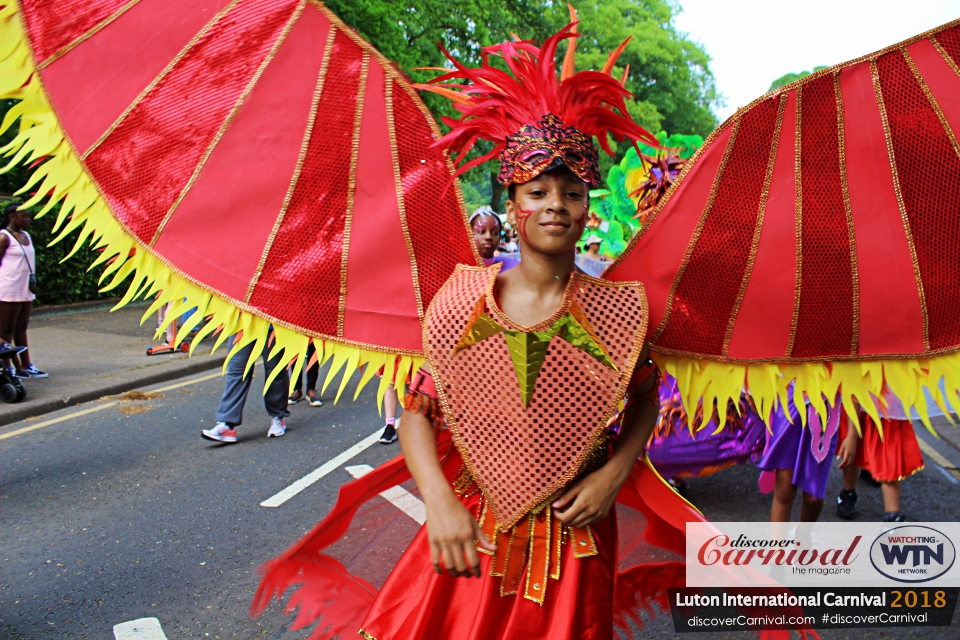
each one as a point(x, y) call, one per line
point(230, 411)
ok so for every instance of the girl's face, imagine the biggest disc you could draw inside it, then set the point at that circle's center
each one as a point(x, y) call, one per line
point(550, 211)
point(486, 233)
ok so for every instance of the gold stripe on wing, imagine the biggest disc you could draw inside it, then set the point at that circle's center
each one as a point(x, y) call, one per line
point(92, 31)
point(700, 224)
point(932, 100)
point(304, 145)
point(878, 90)
point(946, 56)
point(764, 194)
point(163, 74)
point(229, 120)
point(391, 126)
point(352, 189)
point(798, 208)
point(848, 211)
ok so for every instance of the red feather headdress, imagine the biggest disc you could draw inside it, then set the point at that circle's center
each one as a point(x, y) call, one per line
point(535, 120)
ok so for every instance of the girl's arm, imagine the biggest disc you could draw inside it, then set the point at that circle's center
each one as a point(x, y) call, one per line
point(452, 531)
point(4, 243)
point(847, 451)
point(589, 500)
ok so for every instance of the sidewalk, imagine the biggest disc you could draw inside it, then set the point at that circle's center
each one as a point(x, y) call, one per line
point(90, 353)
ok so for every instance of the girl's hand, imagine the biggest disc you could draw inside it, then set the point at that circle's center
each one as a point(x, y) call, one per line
point(590, 499)
point(454, 534)
point(846, 452)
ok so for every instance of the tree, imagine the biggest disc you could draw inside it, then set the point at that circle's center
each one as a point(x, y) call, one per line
point(791, 77)
point(669, 74)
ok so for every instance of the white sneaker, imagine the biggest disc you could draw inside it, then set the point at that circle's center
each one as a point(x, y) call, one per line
point(277, 428)
point(221, 432)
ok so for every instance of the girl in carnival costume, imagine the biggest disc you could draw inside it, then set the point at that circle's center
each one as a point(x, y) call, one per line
point(521, 535)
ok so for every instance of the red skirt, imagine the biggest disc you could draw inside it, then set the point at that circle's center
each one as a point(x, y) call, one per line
point(416, 603)
point(894, 457)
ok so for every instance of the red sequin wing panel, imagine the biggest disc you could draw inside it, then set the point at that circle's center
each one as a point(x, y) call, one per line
point(871, 202)
point(709, 284)
point(151, 155)
point(824, 324)
point(56, 25)
point(431, 199)
point(302, 273)
point(928, 163)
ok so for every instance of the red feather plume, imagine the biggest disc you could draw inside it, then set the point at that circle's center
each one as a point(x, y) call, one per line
point(495, 103)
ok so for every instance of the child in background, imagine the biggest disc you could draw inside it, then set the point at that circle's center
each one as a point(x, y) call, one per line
point(890, 458)
point(797, 456)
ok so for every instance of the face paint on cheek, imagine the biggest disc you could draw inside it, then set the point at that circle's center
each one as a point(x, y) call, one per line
point(522, 215)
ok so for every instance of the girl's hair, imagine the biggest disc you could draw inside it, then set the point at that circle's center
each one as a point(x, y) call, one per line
point(488, 212)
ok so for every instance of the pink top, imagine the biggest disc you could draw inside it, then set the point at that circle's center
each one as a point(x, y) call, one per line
point(15, 270)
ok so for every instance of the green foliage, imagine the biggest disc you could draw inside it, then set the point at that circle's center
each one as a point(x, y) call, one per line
point(683, 145)
point(669, 74)
point(613, 212)
point(792, 77)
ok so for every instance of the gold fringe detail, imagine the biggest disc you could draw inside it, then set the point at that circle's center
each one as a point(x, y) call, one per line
point(767, 383)
point(63, 177)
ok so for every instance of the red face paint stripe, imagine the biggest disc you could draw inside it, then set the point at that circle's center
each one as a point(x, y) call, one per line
point(725, 241)
point(825, 318)
point(434, 213)
point(929, 170)
point(522, 216)
point(168, 133)
point(301, 276)
point(54, 24)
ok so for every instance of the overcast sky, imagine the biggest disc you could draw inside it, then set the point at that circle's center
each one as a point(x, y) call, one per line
point(754, 42)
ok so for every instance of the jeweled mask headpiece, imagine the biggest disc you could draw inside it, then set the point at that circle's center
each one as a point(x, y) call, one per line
point(546, 145)
point(535, 119)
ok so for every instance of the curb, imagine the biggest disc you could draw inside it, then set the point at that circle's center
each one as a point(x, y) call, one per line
point(107, 387)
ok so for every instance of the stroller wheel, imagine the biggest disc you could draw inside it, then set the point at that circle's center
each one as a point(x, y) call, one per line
point(21, 391)
point(8, 393)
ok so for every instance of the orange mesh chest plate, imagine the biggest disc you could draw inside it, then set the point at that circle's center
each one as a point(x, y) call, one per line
point(522, 456)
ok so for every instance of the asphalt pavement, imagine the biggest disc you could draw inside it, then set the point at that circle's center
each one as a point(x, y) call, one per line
point(116, 510)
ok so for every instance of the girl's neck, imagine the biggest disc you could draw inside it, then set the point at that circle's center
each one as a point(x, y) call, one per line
point(544, 271)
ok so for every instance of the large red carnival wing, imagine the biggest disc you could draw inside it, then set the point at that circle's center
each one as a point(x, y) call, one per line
point(263, 152)
point(819, 223)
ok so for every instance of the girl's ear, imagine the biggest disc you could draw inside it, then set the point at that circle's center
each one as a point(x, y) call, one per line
point(511, 212)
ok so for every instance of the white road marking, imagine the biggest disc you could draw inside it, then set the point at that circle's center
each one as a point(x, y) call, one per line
point(319, 472)
point(99, 407)
point(142, 629)
point(398, 496)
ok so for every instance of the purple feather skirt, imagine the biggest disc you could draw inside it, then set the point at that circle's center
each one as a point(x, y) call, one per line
point(793, 445)
point(676, 452)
